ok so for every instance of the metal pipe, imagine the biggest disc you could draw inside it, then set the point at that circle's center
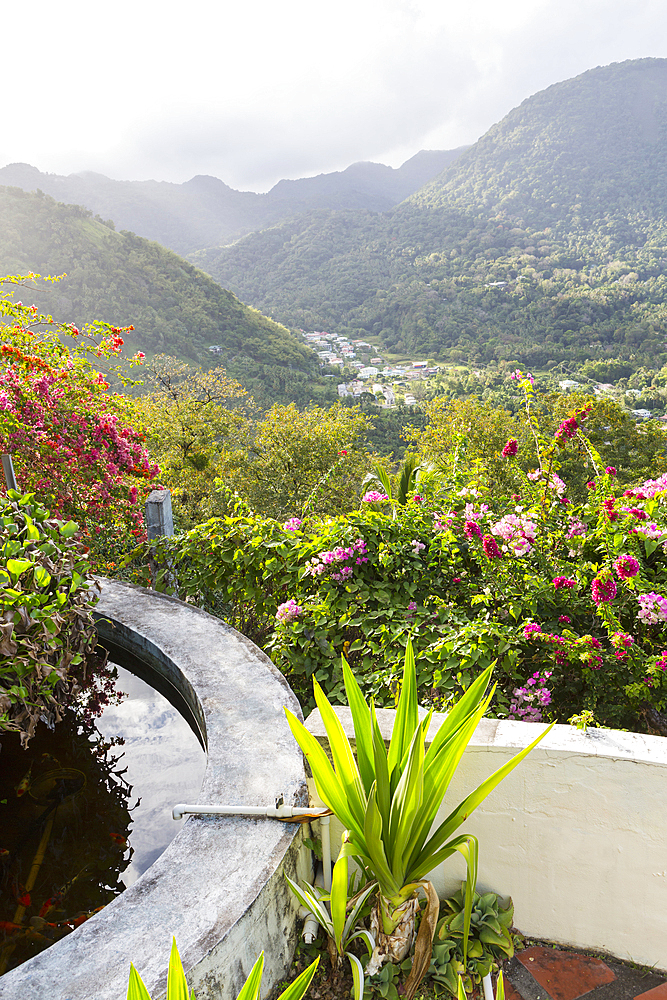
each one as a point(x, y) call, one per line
point(298, 813)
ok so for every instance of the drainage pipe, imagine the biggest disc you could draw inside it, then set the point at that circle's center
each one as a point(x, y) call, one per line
point(311, 926)
point(295, 814)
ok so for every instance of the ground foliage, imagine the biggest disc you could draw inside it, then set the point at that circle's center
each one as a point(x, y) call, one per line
point(47, 633)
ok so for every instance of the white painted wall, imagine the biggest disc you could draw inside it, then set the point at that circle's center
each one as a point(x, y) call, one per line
point(577, 834)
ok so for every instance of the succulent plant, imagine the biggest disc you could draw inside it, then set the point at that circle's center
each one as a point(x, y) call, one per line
point(490, 940)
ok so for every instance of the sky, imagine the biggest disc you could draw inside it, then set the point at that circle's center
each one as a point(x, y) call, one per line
point(257, 91)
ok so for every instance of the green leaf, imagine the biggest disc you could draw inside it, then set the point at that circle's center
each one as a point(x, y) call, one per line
point(407, 716)
point(357, 975)
point(177, 987)
point(344, 762)
point(308, 900)
point(42, 578)
point(297, 989)
point(329, 788)
point(433, 853)
point(361, 718)
point(382, 788)
point(18, 566)
point(251, 987)
point(135, 987)
point(68, 529)
point(339, 900)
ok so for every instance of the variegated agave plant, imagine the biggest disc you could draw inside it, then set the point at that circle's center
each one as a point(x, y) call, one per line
point(388, 799)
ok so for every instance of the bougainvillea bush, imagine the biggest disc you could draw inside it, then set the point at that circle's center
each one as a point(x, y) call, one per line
point(569, 599)
point(70, 438)
point(47, 633)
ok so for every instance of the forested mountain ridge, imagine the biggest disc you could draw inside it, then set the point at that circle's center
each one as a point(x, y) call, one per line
point(206, 212)
point(544, 242)
point(126, 280)
point(572, 153)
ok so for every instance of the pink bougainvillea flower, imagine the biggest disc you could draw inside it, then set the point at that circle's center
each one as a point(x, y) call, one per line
point(372, 496)
point(491, 549)
point(510, 448)
point(626, 567)
point(531, 629)
point(603, 589)
point(564, 582)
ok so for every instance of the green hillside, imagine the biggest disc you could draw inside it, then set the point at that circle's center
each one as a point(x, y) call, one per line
point(545, 242)
point(205, 212)
point(124, 279)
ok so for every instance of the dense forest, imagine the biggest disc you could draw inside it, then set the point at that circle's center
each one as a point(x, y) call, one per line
point(545, 242)
point(174, 308)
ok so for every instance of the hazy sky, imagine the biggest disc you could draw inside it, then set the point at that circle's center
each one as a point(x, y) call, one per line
point(254, 91)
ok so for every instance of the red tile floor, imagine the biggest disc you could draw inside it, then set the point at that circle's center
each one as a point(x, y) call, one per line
point(541, 973)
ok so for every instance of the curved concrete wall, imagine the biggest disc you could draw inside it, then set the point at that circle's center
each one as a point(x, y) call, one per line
point(219, 886)
point(576, 835)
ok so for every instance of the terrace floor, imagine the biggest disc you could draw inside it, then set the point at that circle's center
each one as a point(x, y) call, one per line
point(543, 973)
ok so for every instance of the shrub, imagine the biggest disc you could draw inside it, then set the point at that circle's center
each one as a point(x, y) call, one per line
point(47, 632)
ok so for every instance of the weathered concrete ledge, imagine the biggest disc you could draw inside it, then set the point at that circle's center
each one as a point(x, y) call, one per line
point(219, 886)
point(576, 835)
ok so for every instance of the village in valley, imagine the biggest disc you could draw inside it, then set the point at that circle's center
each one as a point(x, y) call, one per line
point(388, 383)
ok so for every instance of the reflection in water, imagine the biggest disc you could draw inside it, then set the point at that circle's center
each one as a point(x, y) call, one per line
point(85, 810)
point(165, 765)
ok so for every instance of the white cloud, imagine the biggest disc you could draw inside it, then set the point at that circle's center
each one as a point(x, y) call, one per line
point(261, 91)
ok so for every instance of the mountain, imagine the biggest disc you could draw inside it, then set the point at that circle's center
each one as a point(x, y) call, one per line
point(205, 212)
point(544, 242)
point(124, 279)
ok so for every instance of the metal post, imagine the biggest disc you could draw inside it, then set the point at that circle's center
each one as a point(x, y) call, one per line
point(8, 469)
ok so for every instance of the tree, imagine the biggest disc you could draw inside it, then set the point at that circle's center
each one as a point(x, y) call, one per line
point(195, 423)
point(305, 462)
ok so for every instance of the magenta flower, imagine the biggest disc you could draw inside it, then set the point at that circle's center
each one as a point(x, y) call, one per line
point(610, 470)
point(568, 429)
point(564, 619)
point(622, 640)
point(472, 530)
point(510, 448)
point(491, 549)
point(603, 590)
point(564, 582)
point(626, 567)
point(293, 524)
point(531, 629)
point(374, 497)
